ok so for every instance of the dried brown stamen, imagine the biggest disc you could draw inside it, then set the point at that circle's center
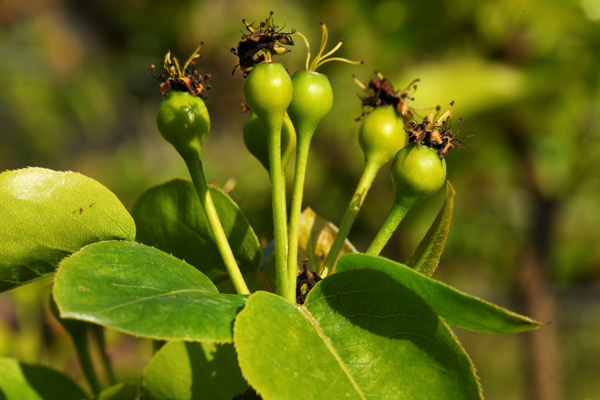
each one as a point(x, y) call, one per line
point(382, 93)
point(305, 282)
point(261, 44)
point(186, 79)
point(436, 133)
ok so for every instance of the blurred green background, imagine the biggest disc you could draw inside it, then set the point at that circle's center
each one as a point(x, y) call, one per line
point(525, 76)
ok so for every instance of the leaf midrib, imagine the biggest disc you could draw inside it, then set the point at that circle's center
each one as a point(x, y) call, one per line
point(148, 298)
point(332, 350)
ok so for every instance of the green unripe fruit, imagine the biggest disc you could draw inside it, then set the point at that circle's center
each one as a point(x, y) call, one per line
point(183, 121)
point(418, 172)
point(311, 101)
point(381, 135)
point(268, 92)
point(255, 139)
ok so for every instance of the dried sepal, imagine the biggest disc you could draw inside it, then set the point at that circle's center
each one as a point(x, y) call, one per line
point(305, 281)
point(186, 79)
point(261, 44)
point(382, 93)
point(435, 132)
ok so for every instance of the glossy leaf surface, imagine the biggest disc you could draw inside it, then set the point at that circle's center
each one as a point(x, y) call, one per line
point(170, 217)
point(456, 308)
point(20, 381)
point(426, 257)
point(360, 335)
point(47, 215)
point(143, 291)
point(186, 371)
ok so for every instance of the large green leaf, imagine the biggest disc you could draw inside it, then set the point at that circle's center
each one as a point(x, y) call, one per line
point(143, 291)
point(170, 217)
point(186, 371)
point(426, 257)
point(476, 84)
point(456, 308)
point(360, 335)
point(20, 381)
point(47, 215)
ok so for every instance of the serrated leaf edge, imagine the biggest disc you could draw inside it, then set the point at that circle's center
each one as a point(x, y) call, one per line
point(535, 324)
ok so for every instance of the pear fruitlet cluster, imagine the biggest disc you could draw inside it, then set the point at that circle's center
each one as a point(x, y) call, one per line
point(285, 113)
point(302, 341)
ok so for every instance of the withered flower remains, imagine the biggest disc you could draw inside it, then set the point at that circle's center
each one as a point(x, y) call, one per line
point(382, 93)
point(185, 79)
point(435, 132)
point(261, 44)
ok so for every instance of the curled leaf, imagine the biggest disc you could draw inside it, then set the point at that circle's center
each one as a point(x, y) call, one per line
point(426, 257)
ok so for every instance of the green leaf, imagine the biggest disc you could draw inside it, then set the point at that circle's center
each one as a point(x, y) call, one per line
point(20, 381)
point(47, 215)
point(360, 335)
point(426, 257)
point(143, 291)
point(120, 391)
point(170, 217)
point(184, 370)
point(456, 308)
point(477, 84)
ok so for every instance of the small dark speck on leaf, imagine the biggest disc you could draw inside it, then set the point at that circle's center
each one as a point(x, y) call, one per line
point(91, 205)
point(81, 288)
point(80, 211)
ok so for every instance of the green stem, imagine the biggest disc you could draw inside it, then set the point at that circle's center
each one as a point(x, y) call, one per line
point(194, 165)
point(396, 214)
point(98, 332)
point(81, 343)
point(356, 203)
point(284, 190)
point(302, 148)
point(279, 209)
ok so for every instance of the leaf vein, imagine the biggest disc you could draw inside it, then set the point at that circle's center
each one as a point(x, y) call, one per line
point(333, 351)
point(148, 298)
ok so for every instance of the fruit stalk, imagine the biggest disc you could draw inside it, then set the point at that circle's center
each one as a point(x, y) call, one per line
point(268, 93)
point(296, 208)
point(395, 216)
point(366, 180)
point(279, 211)
point(194, 164)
